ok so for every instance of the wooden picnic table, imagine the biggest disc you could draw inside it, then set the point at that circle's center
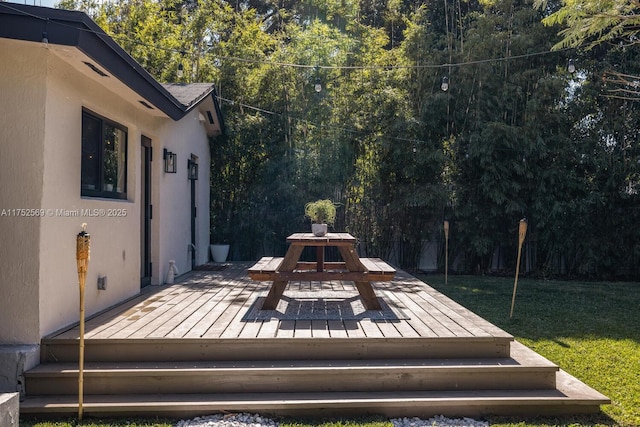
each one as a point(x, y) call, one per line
point(362, 271)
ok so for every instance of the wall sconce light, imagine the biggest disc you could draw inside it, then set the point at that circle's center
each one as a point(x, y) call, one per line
point(193, 170)
point(169, 161)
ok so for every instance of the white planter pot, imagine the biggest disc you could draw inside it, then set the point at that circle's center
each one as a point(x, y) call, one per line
point(219, 253)
point(319, 229)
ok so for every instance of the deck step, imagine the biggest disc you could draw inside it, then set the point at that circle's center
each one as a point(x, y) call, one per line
point(292, 376)
point(525, 383)
point(525, 369)
point(168, 350)
point(571, 398)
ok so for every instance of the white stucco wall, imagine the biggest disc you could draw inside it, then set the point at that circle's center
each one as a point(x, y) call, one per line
point(115, 245)
point(41, 102)
point(184, 138)
point(22, 110)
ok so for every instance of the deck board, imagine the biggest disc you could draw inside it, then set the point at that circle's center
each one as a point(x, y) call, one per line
point(195, 313)
point(214, 304)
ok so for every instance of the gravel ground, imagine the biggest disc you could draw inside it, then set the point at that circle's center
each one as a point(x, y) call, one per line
point(255, 420)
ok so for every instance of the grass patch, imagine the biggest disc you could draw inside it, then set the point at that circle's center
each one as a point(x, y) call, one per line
point(100, 422)
point(589, 329)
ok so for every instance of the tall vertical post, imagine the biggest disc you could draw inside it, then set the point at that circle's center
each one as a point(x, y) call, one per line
point(83, 243)
point(522, 232)
point(446, 251)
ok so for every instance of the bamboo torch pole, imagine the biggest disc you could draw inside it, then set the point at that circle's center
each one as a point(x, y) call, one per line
point(522, 232)
point(83, 243)
point(446, 251)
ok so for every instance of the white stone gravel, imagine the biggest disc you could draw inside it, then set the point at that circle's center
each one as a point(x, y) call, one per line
point(438, 421)
point(256, 420)
point(229, 420)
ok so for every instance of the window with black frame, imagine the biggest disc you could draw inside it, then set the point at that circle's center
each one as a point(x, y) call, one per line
point(104, 157)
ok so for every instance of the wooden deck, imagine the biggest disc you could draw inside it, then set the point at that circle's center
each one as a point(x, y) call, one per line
point(200, 346)
point(213, 304)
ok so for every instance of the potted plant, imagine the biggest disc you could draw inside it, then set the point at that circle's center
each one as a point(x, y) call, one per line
point(322, 214)
point(220, 230)
point(219, 252)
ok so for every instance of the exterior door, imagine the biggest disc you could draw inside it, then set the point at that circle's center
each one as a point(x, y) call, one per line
point(192, 166)
point(146, 214)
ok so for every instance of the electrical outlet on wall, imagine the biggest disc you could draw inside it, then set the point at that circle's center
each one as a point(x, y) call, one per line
point(102, 283)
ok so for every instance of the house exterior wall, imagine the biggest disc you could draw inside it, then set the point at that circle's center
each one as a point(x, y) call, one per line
point(184, 138)
point(115, 240)
point(113, 224)
point(22, 109)
point(40, 162)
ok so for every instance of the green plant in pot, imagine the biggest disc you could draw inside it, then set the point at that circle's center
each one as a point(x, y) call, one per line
point(322, 214)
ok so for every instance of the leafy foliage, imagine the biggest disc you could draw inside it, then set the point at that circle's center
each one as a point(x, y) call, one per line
point(515, 135)
point(321, 211)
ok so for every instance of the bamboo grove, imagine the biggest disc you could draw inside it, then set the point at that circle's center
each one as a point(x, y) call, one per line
point(516, 135)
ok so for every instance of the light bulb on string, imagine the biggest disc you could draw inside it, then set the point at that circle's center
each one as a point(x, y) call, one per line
point(445, 84)
point(45, 36)
point(571, 67)
point(318, 84)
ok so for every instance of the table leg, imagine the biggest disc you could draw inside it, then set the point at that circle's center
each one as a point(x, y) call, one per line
point(352, 262)
point(274, 295)
point(368, 296)
point(320, 258)
point(277, 288)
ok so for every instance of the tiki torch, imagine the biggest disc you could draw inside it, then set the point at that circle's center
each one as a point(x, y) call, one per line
point(83, 243)
point(446, 251)
point(522, 232)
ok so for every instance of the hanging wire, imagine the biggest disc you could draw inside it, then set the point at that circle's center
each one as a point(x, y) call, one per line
point(312, 123)
point(293, 65)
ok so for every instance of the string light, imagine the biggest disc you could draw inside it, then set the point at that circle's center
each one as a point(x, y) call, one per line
point(571, 67)
point(319, 125)
point(445, 84)
point(45, 37)
point(318, 85)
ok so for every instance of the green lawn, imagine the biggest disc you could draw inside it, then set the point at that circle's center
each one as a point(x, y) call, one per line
point(590, 329)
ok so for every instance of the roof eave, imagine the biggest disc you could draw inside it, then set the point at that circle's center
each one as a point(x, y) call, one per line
point(76, 29)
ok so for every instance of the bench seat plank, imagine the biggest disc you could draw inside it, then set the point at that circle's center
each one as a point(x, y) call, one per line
point(267, 269)
point(264, 268)
point(377, 265)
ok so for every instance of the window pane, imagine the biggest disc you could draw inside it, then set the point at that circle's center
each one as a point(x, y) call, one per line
point(90, 153)
point(115, 165)
point(104, 158)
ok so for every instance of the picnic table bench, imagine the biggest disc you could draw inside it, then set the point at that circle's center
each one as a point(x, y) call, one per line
point(362, 271)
